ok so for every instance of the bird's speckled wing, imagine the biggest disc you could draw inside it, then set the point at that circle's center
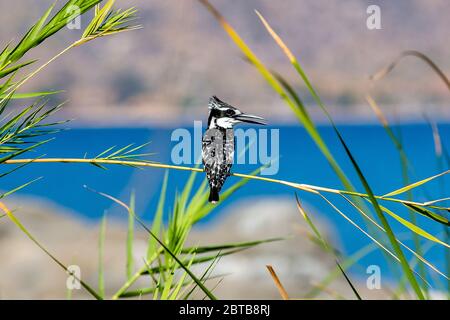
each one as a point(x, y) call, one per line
point(217, 155)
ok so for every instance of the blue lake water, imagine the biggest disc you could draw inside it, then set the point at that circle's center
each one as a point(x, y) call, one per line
point(300, 161)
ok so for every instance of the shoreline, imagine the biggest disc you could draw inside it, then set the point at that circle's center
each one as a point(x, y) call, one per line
point(81, 124)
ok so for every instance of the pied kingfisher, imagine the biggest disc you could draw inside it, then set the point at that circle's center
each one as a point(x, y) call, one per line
point(218, 143)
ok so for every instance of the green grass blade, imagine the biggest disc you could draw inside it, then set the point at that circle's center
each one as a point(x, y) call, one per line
point(428, 213)
point(17, 222)
point(345, 265)
point(101, 257)
point(325, 245)
point(198, 260)
point(379, 244)
point(15, 154)
point(405, 166)
point(3, 195)
point(187, 190)
point(197, 281)
point(404, 263)
point(412, 53)
point(144, 291)
point(226, 246)
point(130, 237)
point(373, 200)
point(157, 220)
point(32, 94)
point(309, 126)
point(413, 227)
point(204, 276)
point(349, 281)
point(166, 248)
point(421, 258)
point(415, 185)
point(7, 71)
point(181, 281)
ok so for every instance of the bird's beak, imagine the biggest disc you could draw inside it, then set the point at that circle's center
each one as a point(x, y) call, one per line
point(249, 118)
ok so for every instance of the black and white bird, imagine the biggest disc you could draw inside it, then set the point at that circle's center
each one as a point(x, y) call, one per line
point(218, 142)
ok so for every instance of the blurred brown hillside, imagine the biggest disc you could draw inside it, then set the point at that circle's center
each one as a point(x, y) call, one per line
point(167, 70)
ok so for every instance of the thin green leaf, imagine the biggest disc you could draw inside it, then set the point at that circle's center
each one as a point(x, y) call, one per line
point(413, 227)
point(101, 258)
point(428, 213)
point(17, 222)
point(325, 245)
point(32, 94)
point(226, 246)
point(414, 185)
point(157, 220)
point(373, 200)
point(130, 236)
point(171, 254)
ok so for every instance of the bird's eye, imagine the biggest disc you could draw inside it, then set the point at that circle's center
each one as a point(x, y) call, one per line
point(230, 113)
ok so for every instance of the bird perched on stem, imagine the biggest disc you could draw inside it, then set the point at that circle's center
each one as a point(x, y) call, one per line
point(218, 142)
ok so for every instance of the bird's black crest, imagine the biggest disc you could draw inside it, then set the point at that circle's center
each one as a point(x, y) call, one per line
point(216, 103)
point(219, 109)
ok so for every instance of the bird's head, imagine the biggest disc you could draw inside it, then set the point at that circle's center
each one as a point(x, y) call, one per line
point(225, 116)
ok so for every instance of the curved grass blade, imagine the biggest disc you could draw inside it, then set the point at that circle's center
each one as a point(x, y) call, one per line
point(405, 167)
point(325, 245)
point(400, 242)
point(413, 262)
point(197, 281)
point(247, 244)
point(230, 248)
point(101, 258)
point(177, 288)
point(428, 213)
point(377, 242)
point(18, 167)
point(416, 229)
point(7, 71)
point(199, 260)
point(349, 281)
point(373, 200)
point(414, 185)
point(19, 152)
point(141, 223)
point(18, 188)
point(309, 125)
point(130, 237)
point(157, 220)
point(187, 190)
point(204, 276)
point(32, 94)
point(346, 264)
point(17, 222)
point(144, 291)
point(41, 30)
point(384, 71)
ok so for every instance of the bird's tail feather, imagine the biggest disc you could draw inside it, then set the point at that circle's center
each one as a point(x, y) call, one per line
point(213, 195)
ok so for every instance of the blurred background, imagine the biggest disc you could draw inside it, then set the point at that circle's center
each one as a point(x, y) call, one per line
point(141, 85)
point(165, 72)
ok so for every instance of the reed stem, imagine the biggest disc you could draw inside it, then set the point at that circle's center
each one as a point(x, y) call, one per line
point(304, 187)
